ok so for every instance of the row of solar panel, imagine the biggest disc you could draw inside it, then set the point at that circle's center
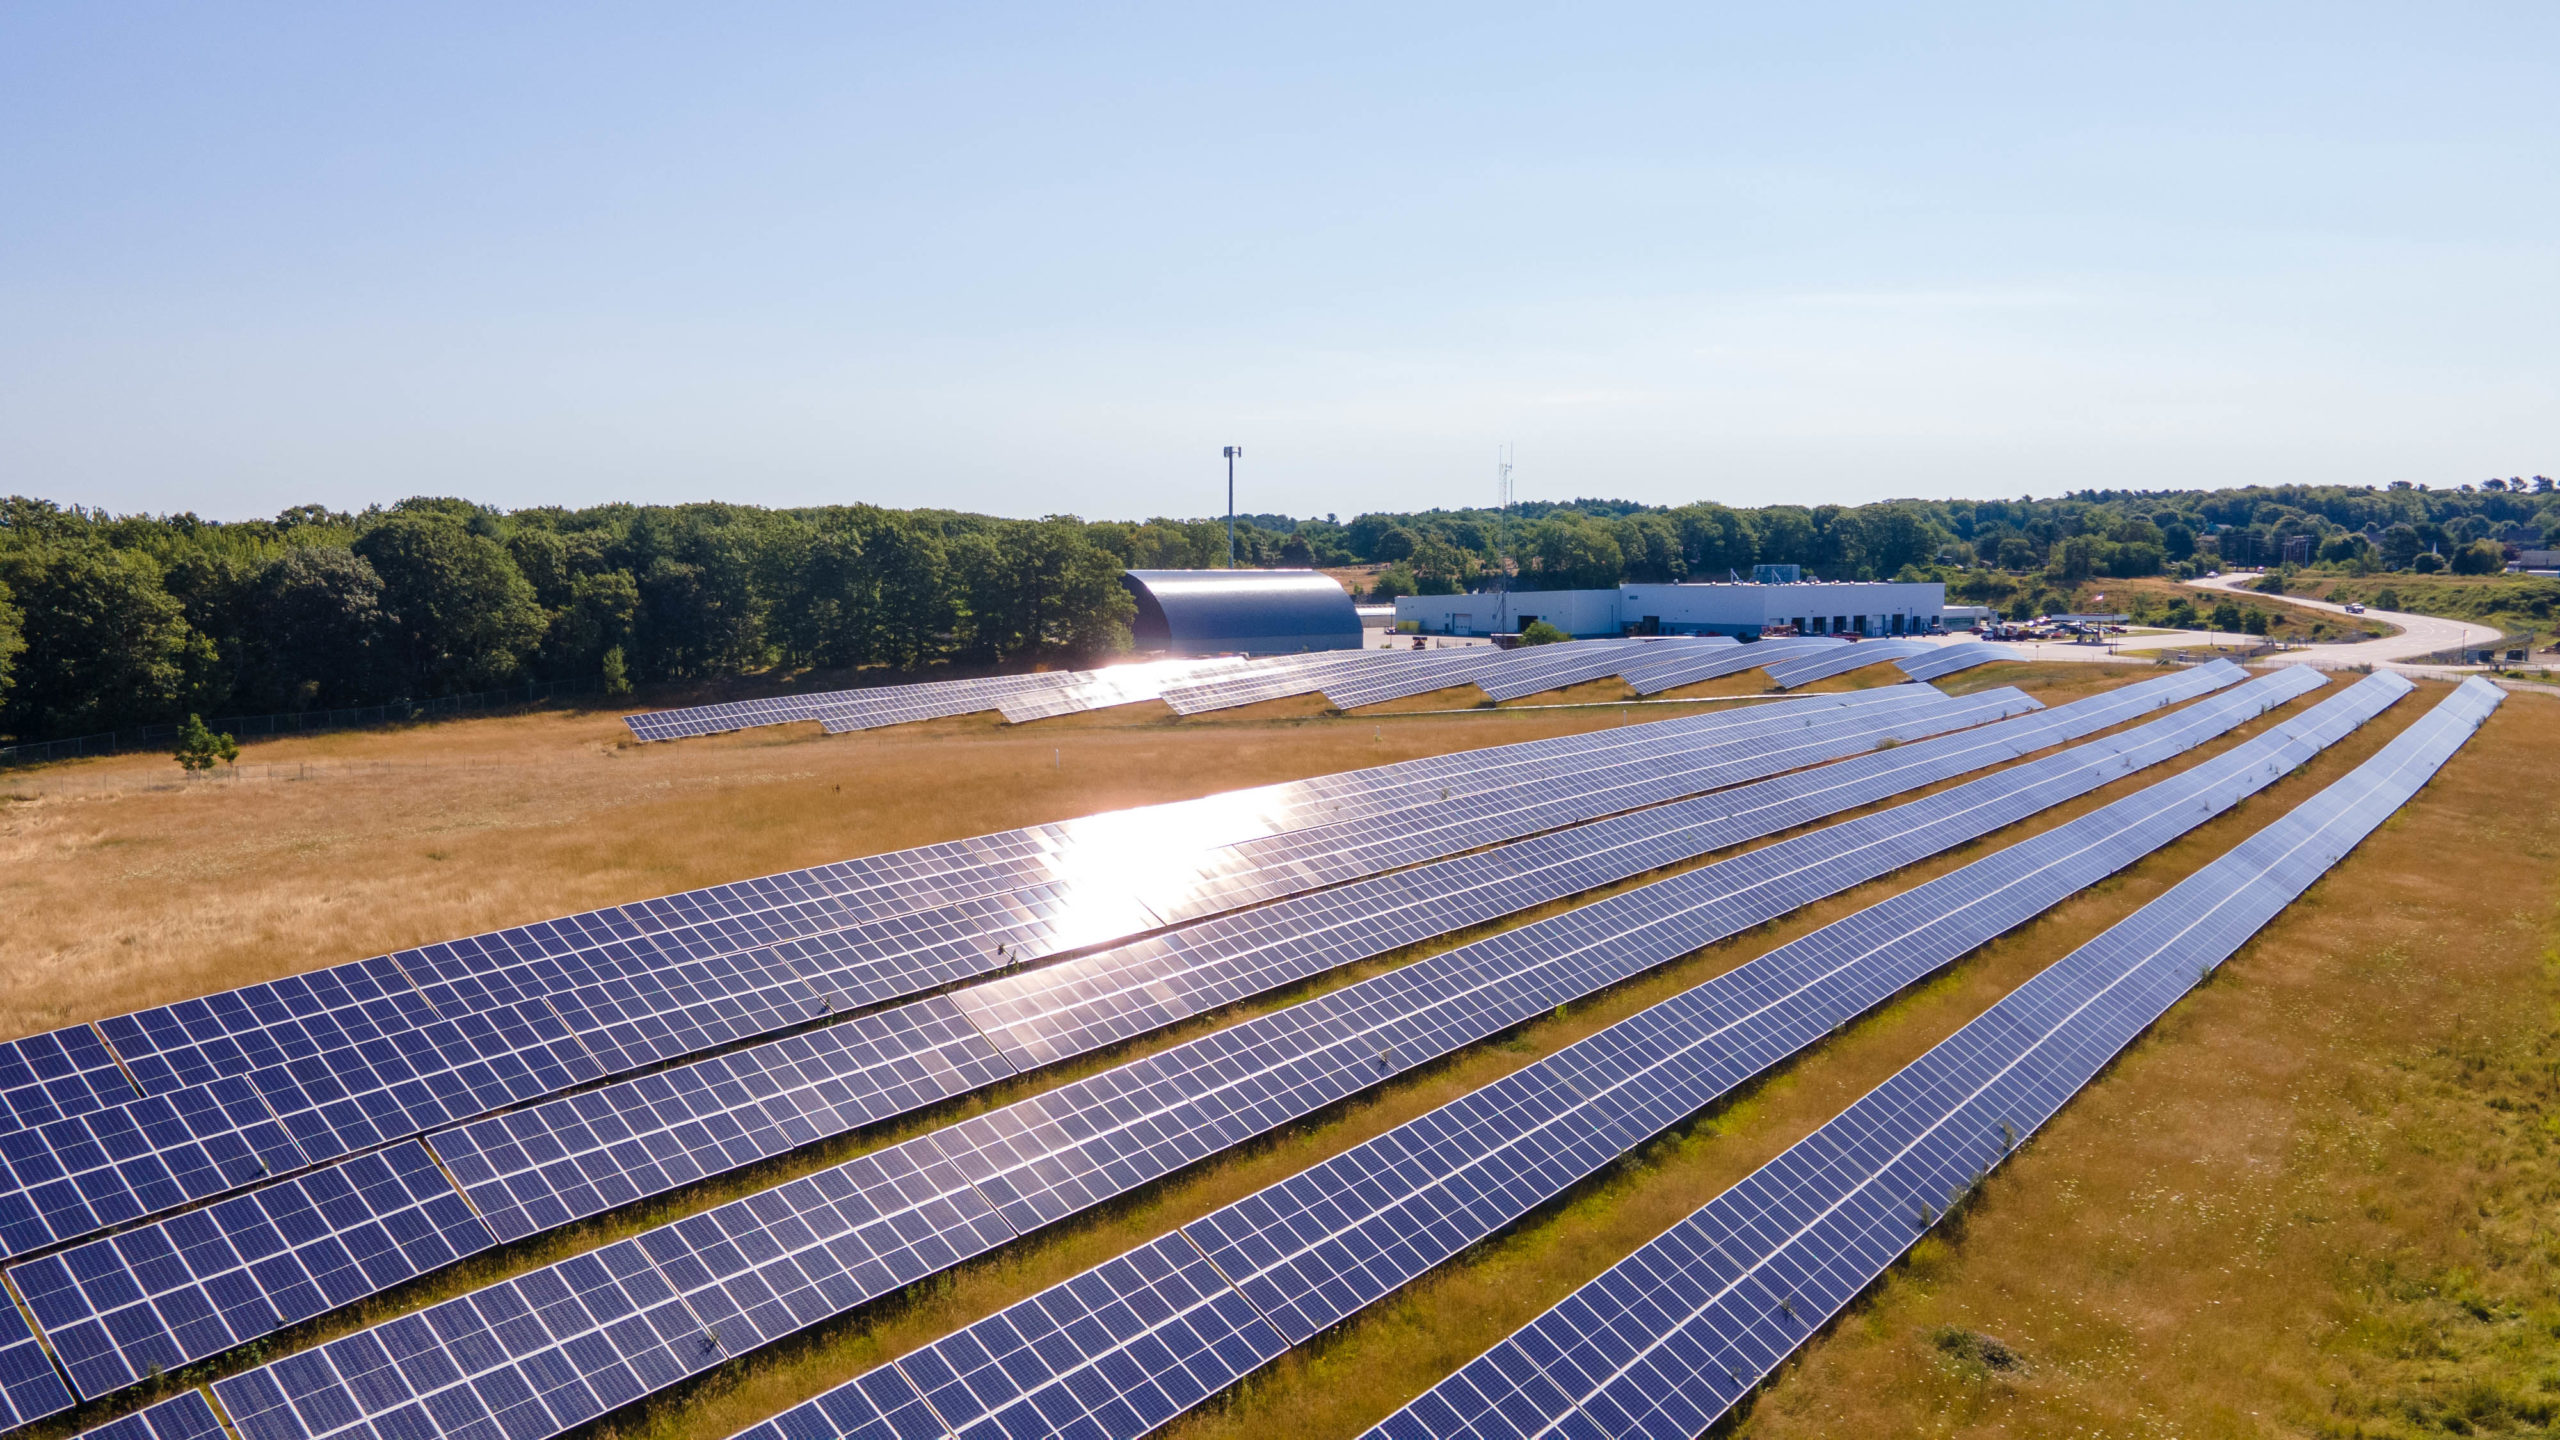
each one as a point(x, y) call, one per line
point(77, 1175)
point(366, 981)
point(1092, 1357)
point(192, 1041)
point(1668, 1339)
point(143, 1345)
point(164, 1047)
point(580, 1156)
point(762, 1267)
point(290, 1019)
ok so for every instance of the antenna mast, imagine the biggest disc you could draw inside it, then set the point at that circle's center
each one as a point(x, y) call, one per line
point(1502, 477)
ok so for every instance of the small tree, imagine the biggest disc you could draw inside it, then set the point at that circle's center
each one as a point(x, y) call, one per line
point(617, 673)
point(2255, 621)
point(199, 747)
point(1539, 632)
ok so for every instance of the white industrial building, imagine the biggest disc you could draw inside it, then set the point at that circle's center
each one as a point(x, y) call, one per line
point(1811, 607)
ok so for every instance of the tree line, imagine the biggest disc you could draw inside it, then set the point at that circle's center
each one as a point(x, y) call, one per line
point(108, 621)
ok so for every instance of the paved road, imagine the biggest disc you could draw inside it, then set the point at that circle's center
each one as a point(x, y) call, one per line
point(2419, 634)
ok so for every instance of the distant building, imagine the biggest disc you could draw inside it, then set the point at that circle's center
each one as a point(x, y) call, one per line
point(1246, 612)
point(1745, 610)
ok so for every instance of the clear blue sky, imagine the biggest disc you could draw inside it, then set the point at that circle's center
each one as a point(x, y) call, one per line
point(1051, 259)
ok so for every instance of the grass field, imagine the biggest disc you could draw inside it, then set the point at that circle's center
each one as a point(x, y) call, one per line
point(2320, 1192)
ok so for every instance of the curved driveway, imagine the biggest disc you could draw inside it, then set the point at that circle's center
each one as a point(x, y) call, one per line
point(2419, 634)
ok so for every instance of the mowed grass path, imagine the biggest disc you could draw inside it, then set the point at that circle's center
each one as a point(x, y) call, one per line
point(491, 822)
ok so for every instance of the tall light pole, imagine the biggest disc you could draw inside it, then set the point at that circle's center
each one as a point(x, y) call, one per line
point(1232, 452)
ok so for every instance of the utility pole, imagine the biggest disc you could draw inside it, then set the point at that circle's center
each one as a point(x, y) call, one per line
point(1232, 452)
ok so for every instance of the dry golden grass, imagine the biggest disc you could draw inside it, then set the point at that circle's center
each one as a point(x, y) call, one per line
point(459, 858)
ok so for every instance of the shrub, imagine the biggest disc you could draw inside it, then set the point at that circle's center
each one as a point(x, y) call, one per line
point(2428, 563)
point(199, 748)
point(1540, 632)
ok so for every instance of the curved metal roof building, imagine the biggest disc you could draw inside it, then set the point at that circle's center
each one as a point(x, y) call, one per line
point(1253, 612)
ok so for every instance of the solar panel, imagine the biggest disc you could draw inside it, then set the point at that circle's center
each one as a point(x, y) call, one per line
point(608, 1327)
point(1674, 671)
point(1949, 659)
point(617, 998)
point(1052, 1154)
point(78, 1175)
point(186, 1415)
point(1668, 1339)
point(1291, 675)
point(1432, 670)
point(532, 1169)
point(578, 1156)
point(1343, 1234)
point(63, 1072)
point(30, 1388)
point(1841, 661)
point(785, 709)
point(1307, 1252)
point(909, 704)
point(1117, 1351)
point(196, 1284)
point(1118, 1128)
point(1114, 685)
point(1543, 668)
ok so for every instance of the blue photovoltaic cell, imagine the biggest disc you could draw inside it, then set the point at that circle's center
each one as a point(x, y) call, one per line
point(184, 1416)
point(1313, 1249)
point(1116, 1351)
point(582, 1155)
point(533, 1169)
point(1671, 672)
point(199, 1283)
point(1289, 675)
point(80, 1174)
point(1841, 661)
point(603, 996)
point(762, 1266)
point(30, 1388)
point(1961, 655)
point(64, 1072)
point(1309, 1251)
point(1669, 1338)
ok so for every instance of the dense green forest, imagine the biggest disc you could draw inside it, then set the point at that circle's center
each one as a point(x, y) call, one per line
point(111, 621)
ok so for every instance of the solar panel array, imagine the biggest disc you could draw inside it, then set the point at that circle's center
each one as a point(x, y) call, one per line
point(536, 1168)
point(30, 1388)
point(63, 1072)
point(1090, 1357)
point(186, 1415)
point(758, 1267)
point(1115, 685)
point(785, 709)
point(1510, 674)
point(1428, 671)
point(1841, 661)
point(1678, 668)
point(1962, 655)
point(1668, 1339)
point(582, 1155)
point(1552, 667)
point(1278, 679)
point(194, 1285)
point(368, 1053)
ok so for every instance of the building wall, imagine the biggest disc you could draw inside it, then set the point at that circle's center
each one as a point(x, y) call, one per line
point(1869, 608)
